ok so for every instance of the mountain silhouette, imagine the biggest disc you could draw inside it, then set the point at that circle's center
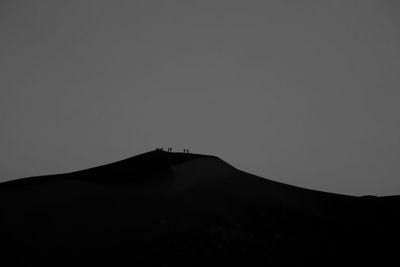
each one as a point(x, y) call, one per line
point(179, 209)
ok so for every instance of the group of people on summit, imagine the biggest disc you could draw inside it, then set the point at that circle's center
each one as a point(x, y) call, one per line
point(169, 149)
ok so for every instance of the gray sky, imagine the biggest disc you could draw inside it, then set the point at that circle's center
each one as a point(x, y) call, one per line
point(302, 92)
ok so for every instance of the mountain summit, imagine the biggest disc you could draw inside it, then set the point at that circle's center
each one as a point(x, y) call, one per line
point(168, 209)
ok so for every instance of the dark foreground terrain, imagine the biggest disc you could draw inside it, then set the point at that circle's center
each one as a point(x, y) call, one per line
point(180, 209)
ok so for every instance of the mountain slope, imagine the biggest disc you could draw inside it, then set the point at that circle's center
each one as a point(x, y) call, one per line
point(168, 209)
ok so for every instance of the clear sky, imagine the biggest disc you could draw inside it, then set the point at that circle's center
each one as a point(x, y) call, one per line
point(301, 92)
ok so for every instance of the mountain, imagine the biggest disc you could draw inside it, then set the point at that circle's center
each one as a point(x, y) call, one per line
point(180, 209)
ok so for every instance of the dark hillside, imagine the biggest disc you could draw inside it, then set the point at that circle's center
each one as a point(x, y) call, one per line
point(169, 209)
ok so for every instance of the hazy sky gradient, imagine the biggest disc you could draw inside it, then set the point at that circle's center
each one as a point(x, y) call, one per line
point(302, 92)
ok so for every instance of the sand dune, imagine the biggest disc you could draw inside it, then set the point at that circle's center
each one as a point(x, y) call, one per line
point(169, 209)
